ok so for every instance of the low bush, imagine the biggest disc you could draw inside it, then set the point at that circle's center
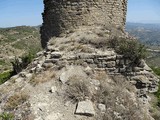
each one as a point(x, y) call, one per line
point(5, 76)
point(157, 94)
point(6, 116)
point(2, 62)
point(156, 115)
point(15, 100)
point(129, 48)
point(21, 63)
point(119, 100)
point(18, 65)
point(77, 90)
point(43, 77)
point(156, 70)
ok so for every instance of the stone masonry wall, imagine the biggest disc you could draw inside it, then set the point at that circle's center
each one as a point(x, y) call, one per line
point(62, 15)
point(110, 62)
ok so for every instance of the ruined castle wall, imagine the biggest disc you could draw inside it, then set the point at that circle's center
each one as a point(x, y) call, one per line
point(62, 15)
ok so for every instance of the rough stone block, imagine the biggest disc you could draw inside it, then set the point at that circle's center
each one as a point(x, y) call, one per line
point(102, 108)
point(141, 64)
point(137, 69)
point(56, 55)
point(89, 61)
point(47, 65)
point(85, 108)
point(51, 60)
point(110, 64)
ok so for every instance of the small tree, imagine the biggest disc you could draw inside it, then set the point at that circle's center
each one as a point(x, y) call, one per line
point(21, 63)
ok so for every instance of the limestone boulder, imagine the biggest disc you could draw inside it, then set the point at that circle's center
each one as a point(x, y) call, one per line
point(110, 64)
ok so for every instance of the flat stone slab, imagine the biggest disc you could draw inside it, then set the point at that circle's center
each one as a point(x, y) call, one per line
point(85, 108)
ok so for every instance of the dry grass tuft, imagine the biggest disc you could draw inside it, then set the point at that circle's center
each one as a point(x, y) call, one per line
point(15, 100)
point(101, 75)
point(121, 106)
point(154, 110)
point(83, 48)
point(122, 83)
point(119, 98)
point(156, 115)
point(97, 42)
point(43, 77)
point(77, 89)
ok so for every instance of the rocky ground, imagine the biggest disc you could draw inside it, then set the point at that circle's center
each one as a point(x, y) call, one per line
point(79, 77)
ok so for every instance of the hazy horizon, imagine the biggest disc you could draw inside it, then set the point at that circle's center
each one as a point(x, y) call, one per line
point(28, 13)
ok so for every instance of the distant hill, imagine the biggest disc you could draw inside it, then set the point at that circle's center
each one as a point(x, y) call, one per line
point(16, 41)
point(148, 34)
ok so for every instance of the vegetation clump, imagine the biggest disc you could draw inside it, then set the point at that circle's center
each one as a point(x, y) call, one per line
point(2, 62)
point(77, 89)
point(157, 94)
point(18, 65)
point(21, 63)
point(16, 41)
point(15, 100)
point(129, 48)
point(6, 116)
point(5, 76)
point(156, 70)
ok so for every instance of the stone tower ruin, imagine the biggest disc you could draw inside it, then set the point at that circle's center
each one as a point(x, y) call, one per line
point(61, 16)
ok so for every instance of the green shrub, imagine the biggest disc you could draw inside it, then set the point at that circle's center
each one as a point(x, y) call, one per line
point(6, 116)
point(18, 65)
point(129, 48)
point(156, 70)
point(156, 114)
point(21, 63)
point(5, 76)
point(2, 62)
point(157, 94)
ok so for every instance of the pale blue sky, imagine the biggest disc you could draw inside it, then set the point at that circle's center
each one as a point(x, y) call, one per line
point(28, 12)
point(144, 11)
point(20, 12)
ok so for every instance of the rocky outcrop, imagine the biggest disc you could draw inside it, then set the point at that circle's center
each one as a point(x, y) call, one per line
point(62, 16)
point(77, 72)
point(112, 63)
point(78, 75)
